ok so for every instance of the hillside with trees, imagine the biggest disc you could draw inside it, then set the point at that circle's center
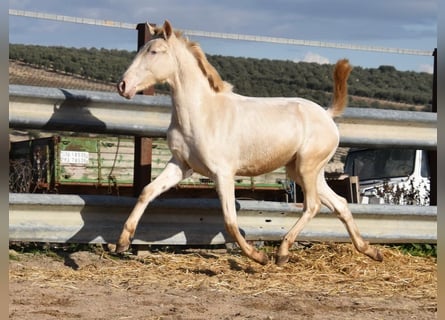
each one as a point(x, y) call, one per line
point(382, 87)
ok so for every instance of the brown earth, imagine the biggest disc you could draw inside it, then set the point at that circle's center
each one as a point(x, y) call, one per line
point(321, 281)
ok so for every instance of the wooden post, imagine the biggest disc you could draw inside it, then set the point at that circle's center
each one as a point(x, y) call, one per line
point(142, 145)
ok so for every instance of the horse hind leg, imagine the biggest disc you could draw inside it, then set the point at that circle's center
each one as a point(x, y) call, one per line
point(306, 177)
point(340, 207)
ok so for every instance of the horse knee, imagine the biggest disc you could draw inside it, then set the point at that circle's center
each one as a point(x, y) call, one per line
point(312, 207)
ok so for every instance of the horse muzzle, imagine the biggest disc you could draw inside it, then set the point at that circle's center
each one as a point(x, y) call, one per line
point(125, 90)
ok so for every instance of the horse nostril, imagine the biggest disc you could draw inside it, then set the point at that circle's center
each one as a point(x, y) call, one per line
point(121, 87)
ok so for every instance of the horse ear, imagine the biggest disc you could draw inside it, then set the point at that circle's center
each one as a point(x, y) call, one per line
point(151, 29)
point(168, 29)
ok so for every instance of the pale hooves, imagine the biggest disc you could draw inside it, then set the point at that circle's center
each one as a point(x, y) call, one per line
point(122, 247)
point(260, 257)
point(377, 255)
point(281, 260)
point(372, 252)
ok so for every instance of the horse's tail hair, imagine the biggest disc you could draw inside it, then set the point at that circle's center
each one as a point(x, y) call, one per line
point(341, 73)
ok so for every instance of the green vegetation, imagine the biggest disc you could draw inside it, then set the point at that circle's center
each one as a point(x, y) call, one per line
point(418, 249)
point(252, 77)
point(99, 64)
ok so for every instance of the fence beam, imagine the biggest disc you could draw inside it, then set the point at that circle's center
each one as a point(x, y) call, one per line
point(376, 128)
point(99, 219)
point(101, 112)
point(87, 111)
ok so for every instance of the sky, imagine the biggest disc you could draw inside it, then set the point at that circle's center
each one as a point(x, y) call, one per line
point(410, 24)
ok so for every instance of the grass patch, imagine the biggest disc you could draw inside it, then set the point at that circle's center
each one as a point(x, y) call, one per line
point(418, 249)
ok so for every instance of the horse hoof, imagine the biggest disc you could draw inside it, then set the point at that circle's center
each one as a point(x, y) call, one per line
point(120, 248)
point(264, 259)
point(378, 256)
point(281, 260)
point(260, 257)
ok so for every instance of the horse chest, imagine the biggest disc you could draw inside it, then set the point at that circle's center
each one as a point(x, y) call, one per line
point(187, 150)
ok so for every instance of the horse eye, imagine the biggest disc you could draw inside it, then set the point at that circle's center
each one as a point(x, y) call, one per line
point(153, 52)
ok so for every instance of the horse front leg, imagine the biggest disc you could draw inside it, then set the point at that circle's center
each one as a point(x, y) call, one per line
point(173, 173)
point(226, 192)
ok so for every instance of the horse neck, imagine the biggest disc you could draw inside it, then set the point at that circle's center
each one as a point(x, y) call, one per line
point(190, 89)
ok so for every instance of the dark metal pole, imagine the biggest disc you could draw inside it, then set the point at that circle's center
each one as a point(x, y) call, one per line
point(434, 102)
point(144, 36)
point(432, 155)
point(142, 145)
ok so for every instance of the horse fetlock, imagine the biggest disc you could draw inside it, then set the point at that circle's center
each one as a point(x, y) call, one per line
point(123, 244)
point(284, 247)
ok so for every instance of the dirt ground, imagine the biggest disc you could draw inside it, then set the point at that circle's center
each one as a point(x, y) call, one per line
point(321, 281)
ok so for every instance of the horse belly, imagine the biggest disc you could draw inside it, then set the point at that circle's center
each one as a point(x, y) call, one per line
point(269, 141)
point(256, 170)
point(265, 158)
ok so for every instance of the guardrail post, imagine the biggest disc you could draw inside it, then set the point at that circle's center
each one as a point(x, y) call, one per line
point(142, 145)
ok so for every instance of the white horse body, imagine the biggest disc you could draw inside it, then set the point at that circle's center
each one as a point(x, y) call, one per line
point(281, 127)
point(220, 134)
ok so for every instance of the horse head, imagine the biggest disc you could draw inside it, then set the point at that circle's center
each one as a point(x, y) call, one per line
point(154, 63)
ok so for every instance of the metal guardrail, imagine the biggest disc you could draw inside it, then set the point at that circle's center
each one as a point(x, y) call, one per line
point(99, 219)
point(66, 218)
point(101, 112)
point(87, 111)
point(377, 128)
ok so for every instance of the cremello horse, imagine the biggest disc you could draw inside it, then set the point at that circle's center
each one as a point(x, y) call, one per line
point(220, 134)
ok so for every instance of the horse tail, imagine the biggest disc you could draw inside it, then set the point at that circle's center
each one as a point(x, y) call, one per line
point(341, 73)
